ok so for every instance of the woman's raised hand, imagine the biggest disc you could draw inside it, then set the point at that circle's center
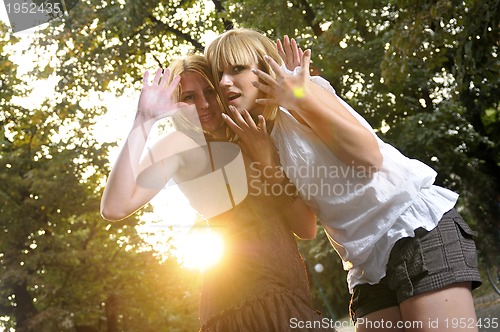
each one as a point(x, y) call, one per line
point(156, 101)
point(287, 90)
point(255, 140)
point(290, 53)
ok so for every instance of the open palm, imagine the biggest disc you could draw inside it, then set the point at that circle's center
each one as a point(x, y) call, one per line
point(287, 89)
point(156, 98)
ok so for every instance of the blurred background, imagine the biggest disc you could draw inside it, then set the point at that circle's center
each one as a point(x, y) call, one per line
point(425, 74)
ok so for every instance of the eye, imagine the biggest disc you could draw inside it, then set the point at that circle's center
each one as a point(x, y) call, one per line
point(238, 68)
point(187, 98)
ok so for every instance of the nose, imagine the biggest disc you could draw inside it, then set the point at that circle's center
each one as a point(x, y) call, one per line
point(226, 80)
point(202, 103)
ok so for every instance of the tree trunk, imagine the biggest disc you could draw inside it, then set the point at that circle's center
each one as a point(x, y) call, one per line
point(111, 314)
point(24, 310)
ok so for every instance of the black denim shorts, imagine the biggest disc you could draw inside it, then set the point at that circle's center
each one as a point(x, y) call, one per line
point(429, 261)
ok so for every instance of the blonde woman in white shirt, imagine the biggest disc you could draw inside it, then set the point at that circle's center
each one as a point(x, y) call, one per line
point(261, 283)
point(410, 256)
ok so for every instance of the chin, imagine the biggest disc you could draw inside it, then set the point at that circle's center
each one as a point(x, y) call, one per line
point(209, 128)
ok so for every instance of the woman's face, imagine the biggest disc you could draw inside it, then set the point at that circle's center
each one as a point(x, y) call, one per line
point(195, 90)
point(237, 88)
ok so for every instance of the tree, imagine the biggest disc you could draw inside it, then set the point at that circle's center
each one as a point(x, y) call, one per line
point(427, 67)
point(328, 287)
point(425, 74)
point(62, 267)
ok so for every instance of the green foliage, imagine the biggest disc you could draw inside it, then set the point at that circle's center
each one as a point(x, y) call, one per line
point(329, 287)
point(104, 41)
point(63, 268)
point(423, 73)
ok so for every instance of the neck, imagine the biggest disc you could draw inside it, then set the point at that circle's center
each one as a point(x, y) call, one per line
point(219, 133)
point(257, 110)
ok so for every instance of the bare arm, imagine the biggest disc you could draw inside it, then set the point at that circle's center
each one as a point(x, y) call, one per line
point(351, 142)
point(257, 143)
point(123, 195)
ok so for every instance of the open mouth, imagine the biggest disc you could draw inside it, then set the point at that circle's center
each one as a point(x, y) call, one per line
point(206, 117)
point(233, 96)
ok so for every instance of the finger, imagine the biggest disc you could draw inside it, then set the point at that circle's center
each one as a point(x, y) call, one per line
point(265, 101)
point(249, 120)
point(165, 77)
point(238, 118)
point(262, 122)
point(145, 78)
point(281, 51)
point(295, 52)
point(181, 105)
point(277, 69)
point(234, 127)
point(306, 59)
point(301, 53)
point(265, 77)
point(171, 87)
point(262, 87)
point(288, 51)
point(156, 79)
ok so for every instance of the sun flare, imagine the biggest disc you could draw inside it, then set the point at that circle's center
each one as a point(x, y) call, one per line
point(174, 228)
point(200, 249)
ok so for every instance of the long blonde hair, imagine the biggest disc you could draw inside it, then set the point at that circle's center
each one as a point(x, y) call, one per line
point(192, 63)
point(242, 47)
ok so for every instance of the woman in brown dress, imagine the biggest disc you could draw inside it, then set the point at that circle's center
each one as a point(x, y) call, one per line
point(261, 283)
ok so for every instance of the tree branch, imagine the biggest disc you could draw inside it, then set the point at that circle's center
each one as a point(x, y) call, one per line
point(157, 60)
point(310, 16)
point(228, 25)
point(177, 33)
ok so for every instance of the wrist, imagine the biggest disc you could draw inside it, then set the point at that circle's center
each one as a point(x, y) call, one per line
point(143, 120)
